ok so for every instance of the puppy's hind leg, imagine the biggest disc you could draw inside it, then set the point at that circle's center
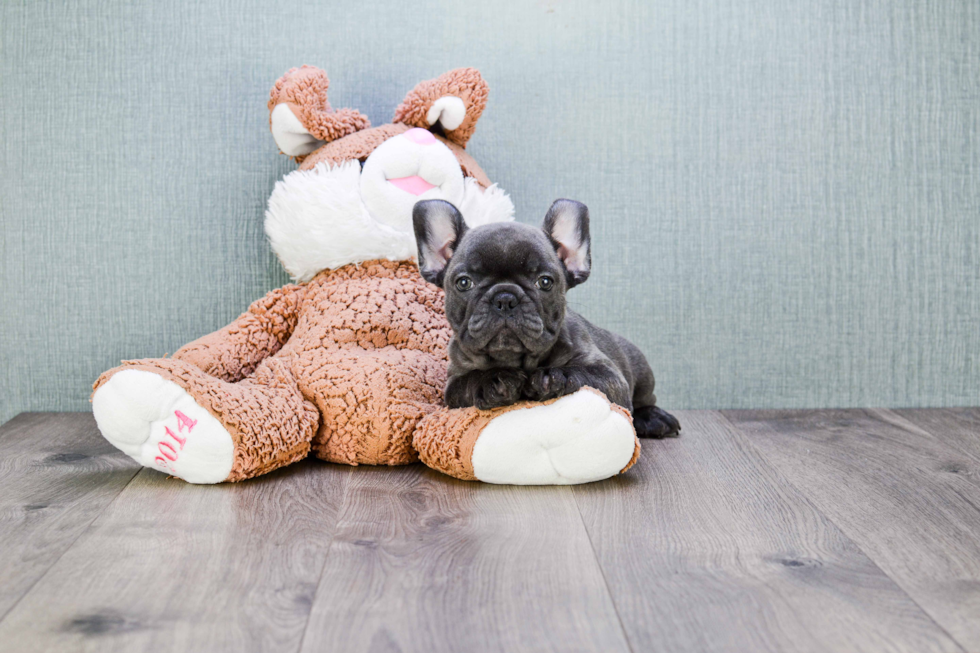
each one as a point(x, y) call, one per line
point(649, 420)
point(654, 422)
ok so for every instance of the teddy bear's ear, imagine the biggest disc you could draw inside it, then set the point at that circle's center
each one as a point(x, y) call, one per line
point(300, 116)
point(449, 105)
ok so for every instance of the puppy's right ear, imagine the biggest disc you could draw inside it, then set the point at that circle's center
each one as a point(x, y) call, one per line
point(438, 228)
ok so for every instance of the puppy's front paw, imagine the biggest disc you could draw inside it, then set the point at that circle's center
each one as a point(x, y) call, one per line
point(500, 387)
point(549, 383)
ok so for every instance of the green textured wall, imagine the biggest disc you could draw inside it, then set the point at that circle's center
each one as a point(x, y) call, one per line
point(786, 196)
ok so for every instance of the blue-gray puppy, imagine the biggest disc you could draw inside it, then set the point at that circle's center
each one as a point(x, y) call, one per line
point(513, 337)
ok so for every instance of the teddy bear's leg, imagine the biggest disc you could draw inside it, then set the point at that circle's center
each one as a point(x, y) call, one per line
point(579, 438)
point(371, 401)
point(169, 415)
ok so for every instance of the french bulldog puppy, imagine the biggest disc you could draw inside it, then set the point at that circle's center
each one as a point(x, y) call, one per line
point(513, 337)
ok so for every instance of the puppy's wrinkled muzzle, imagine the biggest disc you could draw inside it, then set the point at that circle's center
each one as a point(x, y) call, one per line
point(504, 321)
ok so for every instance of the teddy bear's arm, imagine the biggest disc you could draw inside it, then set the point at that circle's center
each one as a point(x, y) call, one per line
point(454, 100)
point(578, 438)
point(232, 353)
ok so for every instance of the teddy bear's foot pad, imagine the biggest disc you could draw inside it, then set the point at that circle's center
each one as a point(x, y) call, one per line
point(578, 439)
point(156, 423)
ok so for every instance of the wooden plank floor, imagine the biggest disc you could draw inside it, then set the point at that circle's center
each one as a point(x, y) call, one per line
point(854, 530)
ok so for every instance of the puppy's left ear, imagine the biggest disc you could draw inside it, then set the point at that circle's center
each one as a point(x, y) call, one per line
point(567, 226)
point(438, 228)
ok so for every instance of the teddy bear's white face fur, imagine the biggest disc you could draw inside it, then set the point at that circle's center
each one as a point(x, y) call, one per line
point(410, 167)
point(328, 217)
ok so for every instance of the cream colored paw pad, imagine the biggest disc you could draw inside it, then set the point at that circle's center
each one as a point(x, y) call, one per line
point(577, 439)
point(159, 425)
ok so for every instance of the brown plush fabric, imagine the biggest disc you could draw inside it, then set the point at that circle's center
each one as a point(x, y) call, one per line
point(372, 305)
point(355, 359)
point(270, 422)
point(371, 402)
point(465, 83)
point(304, 89)
point(445, 439)
point(232, 353)
point(370, 352)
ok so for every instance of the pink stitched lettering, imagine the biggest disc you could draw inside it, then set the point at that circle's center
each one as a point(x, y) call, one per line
point(181, 441)
point(183, 420)
point(162, 462)
point(173, 452)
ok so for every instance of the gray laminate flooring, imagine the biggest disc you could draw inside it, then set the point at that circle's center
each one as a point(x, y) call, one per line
point(837, 530)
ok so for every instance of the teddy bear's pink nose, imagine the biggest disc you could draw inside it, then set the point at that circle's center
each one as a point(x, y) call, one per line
point(420, 136)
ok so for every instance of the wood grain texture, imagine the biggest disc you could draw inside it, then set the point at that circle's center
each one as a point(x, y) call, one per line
point(757, 531)
point(706, 548)
point(56, 476)
point(176, 567)
point(422, 562)
point(957, 427)
point(909, 499)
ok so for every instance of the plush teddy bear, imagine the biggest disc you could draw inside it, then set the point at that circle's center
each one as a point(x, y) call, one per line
point(350, 361)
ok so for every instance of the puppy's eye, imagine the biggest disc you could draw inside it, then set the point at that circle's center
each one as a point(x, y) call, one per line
point(463, 284)
point(545, 283)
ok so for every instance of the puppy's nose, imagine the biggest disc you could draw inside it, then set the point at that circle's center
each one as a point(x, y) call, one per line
point(504, 302)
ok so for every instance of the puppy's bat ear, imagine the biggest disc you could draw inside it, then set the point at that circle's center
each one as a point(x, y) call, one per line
point(567, 226)
point(438, 228)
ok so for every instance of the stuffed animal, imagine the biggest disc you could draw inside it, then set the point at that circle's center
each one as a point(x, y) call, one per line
point(350, 361)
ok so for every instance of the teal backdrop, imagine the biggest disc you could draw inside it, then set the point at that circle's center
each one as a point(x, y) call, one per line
point(785, 195)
